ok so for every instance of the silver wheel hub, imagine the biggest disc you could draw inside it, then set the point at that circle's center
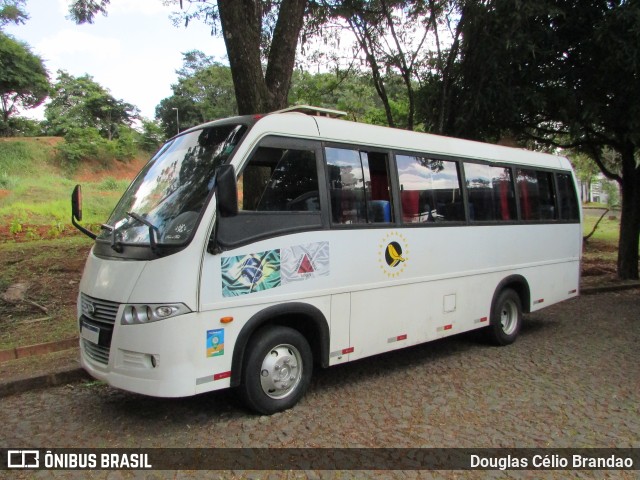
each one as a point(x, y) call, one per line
point(509, 317)
point(281, 371)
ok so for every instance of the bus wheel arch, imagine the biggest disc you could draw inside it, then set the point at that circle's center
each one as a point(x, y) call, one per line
point(307, 319)
point(518, 284)
point(510, 300)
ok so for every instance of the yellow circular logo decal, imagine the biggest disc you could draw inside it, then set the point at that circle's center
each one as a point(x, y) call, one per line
point(393, 254)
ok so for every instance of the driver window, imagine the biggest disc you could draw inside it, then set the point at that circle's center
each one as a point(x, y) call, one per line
point(280, 180)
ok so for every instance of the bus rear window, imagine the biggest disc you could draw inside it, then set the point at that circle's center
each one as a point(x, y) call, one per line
point(567, 198)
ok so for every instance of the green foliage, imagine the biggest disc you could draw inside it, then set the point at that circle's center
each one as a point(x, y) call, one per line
point(7, 182)
point(126, 145)
point(586, 169)
point(204, 92)
point(110, 184)
point(87, 143)
point(24, 127)
point(24, 82)
point(351, 92)
point(20, 158)
point(84, 11)
point(612, 192)
point(11, 11)
point(561, 73)
point(43, 198)
point(57, 228)
point(81, 103)
point(83, 143)
point(15, 227)
point(152, 136)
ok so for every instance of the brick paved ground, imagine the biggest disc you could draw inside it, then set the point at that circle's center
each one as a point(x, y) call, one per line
point(571, 380)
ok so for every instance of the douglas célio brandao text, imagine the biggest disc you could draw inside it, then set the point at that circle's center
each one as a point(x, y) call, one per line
point(570, 461)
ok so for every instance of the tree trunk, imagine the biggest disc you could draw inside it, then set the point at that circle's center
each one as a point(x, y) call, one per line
point(282, 54)
point(630, 218)
point(241, 22)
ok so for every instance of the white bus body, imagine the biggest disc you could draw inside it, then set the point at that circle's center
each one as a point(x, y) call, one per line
point(407, 238)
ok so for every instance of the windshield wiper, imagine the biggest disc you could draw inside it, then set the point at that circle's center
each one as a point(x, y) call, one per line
point(115, 244)
point(152, 229)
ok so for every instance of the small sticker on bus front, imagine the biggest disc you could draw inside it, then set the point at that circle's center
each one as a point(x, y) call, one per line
point(215, 342)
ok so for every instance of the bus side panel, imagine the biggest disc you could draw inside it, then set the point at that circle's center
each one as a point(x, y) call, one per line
point(217, 340)
point(414, 285)
point(385, 288)
point(340, 328)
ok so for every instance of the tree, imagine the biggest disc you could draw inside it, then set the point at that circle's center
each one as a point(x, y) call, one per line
point(152, 136)
point(204, 92)
point(562, 74)
point(24, 82)
point(81, 102)
point(350, 91)
point(586, 171)
point(392, 36)
point(253, 31)
point(11, 11)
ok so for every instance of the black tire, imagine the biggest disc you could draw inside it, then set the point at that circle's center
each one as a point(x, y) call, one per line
point(277, 369)
point(506, 318)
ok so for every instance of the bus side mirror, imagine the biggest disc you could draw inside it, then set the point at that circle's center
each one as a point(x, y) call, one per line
point(76, 212)
point(227, 190)
point(76, 203)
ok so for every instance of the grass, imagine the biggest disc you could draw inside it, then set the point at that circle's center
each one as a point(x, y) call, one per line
point(20, 158)
point(51, 270)
point(608, 229)
point(38, 245)
point(41, 200)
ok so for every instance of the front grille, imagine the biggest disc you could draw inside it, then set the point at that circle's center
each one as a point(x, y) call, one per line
point(100, 314)
point(95, 352)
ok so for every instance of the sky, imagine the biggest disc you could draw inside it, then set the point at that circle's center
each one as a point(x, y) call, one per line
point(133, 52)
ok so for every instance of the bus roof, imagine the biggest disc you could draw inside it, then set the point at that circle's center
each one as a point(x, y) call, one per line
point(322, 124)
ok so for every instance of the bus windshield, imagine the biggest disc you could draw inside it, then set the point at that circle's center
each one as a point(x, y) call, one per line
point(163, 204)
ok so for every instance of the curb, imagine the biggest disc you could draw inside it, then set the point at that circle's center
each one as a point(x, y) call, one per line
point(608, 288)
point(39, 349)
point(52, 379)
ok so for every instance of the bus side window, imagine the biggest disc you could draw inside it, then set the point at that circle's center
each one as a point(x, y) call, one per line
point(359, 186)
point(567, 199)
point(429, 190)
point(490, 192)
point(280, 180)
point(535, 190)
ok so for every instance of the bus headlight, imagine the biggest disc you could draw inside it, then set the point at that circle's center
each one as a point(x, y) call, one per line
point(135, 314)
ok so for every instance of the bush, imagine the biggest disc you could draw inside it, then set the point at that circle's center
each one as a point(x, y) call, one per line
point(126, 145)
point(20, 127)
point(112, 185)
point(152, 136)
point(79, 144)
point(86, 143)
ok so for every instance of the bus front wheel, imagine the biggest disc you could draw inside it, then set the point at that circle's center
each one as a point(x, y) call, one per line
point(506, 318)
point(277, 370)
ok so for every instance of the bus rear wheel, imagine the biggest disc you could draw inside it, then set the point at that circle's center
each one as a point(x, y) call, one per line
point(506, 318)
point(277, 370)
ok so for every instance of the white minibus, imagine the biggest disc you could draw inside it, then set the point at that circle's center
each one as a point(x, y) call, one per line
point(251, 250)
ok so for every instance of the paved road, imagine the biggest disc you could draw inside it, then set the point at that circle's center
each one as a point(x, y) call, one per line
point(571, 380)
